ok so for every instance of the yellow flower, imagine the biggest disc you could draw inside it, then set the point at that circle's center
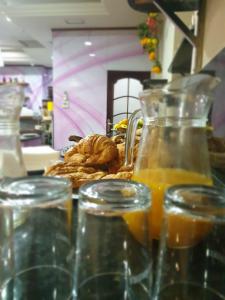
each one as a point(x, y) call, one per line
point(152, 15)
point(121, 124)
point(124, 126)
point(152, 55)
point(154, 41)
point(116, 126)
point(144, 41)
point(156, 69)
point(124, 121)
point(149, 41)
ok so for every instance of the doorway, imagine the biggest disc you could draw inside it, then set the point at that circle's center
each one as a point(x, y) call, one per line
point(123, 88)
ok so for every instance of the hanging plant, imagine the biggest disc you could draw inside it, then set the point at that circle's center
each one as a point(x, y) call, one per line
point(148, 35)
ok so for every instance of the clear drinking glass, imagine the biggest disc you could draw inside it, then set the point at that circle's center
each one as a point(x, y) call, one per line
point(36, 253)
point(192, 261)
point(112, 261)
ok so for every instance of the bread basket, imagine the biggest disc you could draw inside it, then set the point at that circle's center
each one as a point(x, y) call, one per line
point(217, 160)
point(216, 146)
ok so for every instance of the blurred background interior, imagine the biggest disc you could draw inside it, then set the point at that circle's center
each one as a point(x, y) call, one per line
point(82, 67)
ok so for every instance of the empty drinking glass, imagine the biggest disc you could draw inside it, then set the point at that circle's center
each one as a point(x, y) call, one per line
point(113, 258)
point(192, 254)
point(37, 252)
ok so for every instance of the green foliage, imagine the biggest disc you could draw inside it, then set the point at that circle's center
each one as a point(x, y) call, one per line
point(143, 30)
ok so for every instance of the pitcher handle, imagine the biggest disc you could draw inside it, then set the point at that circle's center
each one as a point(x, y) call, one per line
point(130, 137)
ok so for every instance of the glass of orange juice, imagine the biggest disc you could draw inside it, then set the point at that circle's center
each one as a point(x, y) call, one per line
point(191, 262)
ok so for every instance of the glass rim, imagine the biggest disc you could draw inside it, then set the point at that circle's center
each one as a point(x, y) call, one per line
point(114, 194)
point(174, 198)
point(34, 191)
point(165, 92)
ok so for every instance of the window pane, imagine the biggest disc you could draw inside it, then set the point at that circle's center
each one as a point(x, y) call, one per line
point(121, 88)
point(120, 106)
point(135, 87)
point(133, 104)
point(118, 118)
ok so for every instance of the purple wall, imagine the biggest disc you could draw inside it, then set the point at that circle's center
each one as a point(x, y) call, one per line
point(84, 78)
point(38, 78)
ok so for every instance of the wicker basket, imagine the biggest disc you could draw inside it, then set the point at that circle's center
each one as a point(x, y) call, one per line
point(217, 159)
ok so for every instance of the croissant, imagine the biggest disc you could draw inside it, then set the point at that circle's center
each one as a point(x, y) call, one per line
point(90, 158)
point(79, 178)
point(118, 139)
point(96, 150)
point(121, 152)
point(120, 175)
point(75, 158)
point(128, 168)
point(66, 168)
point(69, 153)
point(76, 173)
point(117, 163)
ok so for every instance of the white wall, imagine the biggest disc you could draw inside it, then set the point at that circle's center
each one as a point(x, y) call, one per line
point(167, 48)
point(214, 34)
point(170, 42)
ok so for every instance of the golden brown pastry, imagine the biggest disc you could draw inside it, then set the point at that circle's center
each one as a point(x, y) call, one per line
point(119, 163)
point(115, 165)
point(118, 139)
point(76, 173)
point(96, 150)
point(136, 151)
point(79, 178)
point(129, 168)
point(121, 152)
point(139, 132)
point(69, 153)
point(66, 168)
point(94, 157)
point(75, 158)
point(119, 175)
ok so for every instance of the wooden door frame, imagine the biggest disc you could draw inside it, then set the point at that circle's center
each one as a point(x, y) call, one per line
point(112, 78)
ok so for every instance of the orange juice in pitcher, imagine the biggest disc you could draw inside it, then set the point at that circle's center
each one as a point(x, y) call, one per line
point(158, 180)
point(173, 149)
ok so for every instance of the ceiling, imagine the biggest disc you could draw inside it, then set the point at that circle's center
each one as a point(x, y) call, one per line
point(26, 25)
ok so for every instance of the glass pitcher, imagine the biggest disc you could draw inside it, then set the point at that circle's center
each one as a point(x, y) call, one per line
point(173, 148)
point(11, 160)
